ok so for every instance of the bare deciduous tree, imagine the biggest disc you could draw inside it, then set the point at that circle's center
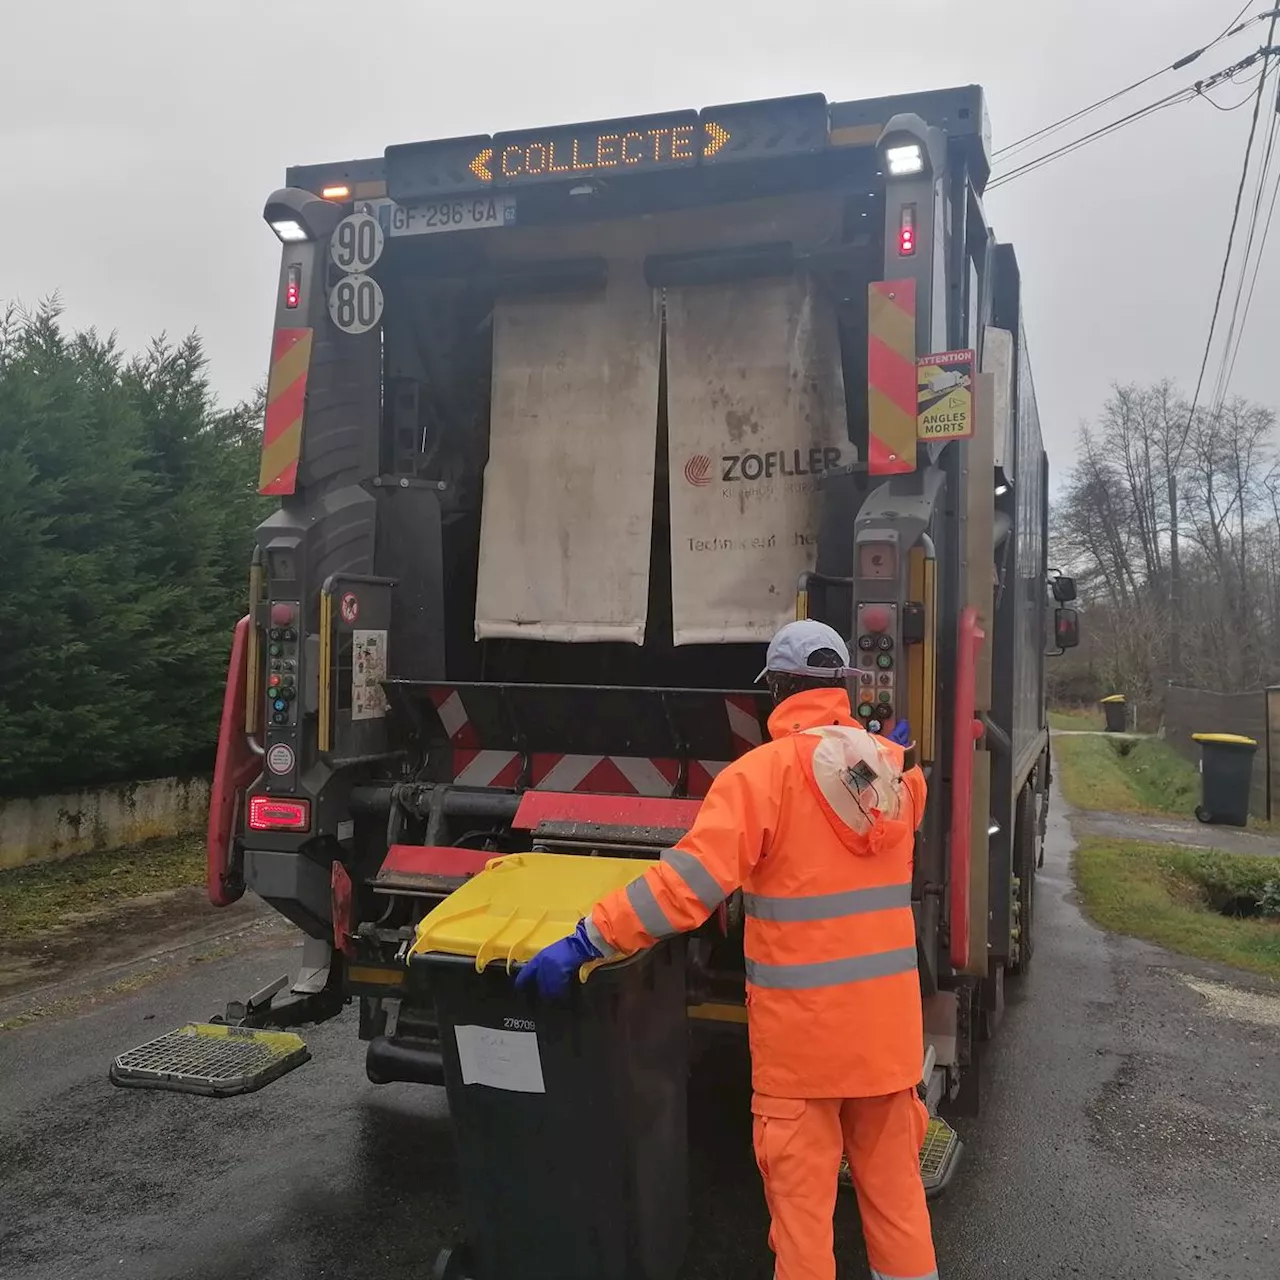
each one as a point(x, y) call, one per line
point(1171, 523)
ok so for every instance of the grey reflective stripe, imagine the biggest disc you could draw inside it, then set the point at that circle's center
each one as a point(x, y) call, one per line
point(884, 1275)
point(651, 914)
point(828, 906)
point(598, 940)
point(700, 881)
point(831, 973)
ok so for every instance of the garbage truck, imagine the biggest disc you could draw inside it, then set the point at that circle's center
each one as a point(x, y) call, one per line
point(564, 423)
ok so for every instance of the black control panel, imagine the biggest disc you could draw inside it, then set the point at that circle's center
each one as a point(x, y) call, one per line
point(283, 642)
point(877, 666)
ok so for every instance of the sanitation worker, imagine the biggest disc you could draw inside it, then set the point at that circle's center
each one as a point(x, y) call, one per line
point(817, 827)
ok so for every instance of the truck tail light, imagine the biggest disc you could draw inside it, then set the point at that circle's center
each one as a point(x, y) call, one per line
point(269, 813)
point(907, 231)
point(293, 286)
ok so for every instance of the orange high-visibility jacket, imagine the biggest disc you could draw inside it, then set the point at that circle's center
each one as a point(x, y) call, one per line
point(833, 995)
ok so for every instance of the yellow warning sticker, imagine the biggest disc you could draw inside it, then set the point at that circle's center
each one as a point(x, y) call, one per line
point(944, 389)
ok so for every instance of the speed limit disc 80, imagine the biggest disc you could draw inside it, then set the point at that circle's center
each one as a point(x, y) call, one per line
point(355, 303)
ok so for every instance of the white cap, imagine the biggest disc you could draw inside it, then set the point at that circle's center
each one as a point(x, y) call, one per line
point(791, 648)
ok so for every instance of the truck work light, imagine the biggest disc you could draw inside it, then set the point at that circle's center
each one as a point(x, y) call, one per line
point(904, 160)
point(909, 147)
point(296, 215)
point(289, 230)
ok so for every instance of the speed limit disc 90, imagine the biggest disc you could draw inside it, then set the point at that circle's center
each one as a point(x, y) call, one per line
point(355, 303)
point(357, 243)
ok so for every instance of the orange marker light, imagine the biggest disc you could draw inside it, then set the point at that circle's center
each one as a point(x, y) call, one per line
point(336, 193)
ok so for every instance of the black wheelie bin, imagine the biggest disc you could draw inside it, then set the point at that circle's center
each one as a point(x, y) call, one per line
point(569, 1120)
point(1116, 711)
point(1226, 777)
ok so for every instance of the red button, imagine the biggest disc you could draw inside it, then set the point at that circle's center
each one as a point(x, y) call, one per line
point(875, 617)
point(283, 614)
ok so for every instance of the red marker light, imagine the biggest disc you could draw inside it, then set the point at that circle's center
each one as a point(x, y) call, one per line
point(293, 287)
point(266, 813)
point(907, 231)
point(282, 615)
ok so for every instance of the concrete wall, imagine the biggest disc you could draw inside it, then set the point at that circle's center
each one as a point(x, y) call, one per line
point(1188, 711)
point(61, 826)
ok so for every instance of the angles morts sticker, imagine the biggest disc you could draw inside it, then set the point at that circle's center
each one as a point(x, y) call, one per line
point(944, 385)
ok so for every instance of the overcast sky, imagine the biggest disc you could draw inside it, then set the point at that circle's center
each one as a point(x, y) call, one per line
point(138, 140)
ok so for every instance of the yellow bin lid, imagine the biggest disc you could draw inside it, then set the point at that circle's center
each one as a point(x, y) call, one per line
point(1115, 697)
point(1230, 738)
point(519, 904)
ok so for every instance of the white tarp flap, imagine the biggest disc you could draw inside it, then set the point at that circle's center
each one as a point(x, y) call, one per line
point(568, 490)
point(997, 359)
point(756, 414)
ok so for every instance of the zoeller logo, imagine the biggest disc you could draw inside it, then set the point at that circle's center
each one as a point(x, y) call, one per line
point(697, 471)
point(777, 462)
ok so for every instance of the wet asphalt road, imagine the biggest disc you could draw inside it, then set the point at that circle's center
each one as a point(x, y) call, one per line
point(1130, 1130)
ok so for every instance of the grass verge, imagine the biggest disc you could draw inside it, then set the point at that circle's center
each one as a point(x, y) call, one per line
point(1076, 718)
point(1125, 775)
point(1176, 898)
point(41, 896)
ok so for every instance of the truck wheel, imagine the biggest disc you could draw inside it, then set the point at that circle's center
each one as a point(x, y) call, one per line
point(1024, 867)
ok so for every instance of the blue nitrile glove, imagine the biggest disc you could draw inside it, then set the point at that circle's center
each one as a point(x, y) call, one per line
point(553, 969)
point(901, 734)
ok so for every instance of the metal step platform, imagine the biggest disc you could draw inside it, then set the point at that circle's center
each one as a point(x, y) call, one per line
point(211, 1059)
point(938, 1158)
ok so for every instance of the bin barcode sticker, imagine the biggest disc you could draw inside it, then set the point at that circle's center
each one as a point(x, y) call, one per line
point(500, 1059)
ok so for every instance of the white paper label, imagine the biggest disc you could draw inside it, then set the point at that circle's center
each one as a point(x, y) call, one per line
point(500, 1059)
point(368, 671)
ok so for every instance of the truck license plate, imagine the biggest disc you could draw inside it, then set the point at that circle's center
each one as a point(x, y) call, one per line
point(471, 213)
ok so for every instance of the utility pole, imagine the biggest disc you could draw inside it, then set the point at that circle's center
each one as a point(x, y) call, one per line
point(1175, 585)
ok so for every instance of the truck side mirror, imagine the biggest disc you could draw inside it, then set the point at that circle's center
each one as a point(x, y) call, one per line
point(1066, 630)
point(1064, 589)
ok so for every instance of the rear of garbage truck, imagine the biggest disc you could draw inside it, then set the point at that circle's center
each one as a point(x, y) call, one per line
point(564, 423)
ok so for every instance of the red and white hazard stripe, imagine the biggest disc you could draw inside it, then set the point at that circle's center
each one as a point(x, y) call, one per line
point(616, 775)
point(744, 724)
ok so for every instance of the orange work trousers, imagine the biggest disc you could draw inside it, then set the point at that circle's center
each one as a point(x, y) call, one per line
point(798, 1142)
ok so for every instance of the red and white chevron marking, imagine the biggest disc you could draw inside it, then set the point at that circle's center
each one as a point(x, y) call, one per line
point(617, 775)
point(744, 724)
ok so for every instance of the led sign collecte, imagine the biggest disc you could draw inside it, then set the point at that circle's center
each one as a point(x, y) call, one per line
point(661, 142)
point(673, 140)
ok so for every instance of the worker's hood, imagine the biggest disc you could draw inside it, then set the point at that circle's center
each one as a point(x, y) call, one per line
point(811, 710)
point(856, 776)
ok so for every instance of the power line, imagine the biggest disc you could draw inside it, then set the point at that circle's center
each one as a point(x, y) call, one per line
point(1180, 95)
point(1235, 220)
point(1186, 94)
point(1235, 106)
point(1253, 283)
point(1232, 28)
point(1239, 313)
